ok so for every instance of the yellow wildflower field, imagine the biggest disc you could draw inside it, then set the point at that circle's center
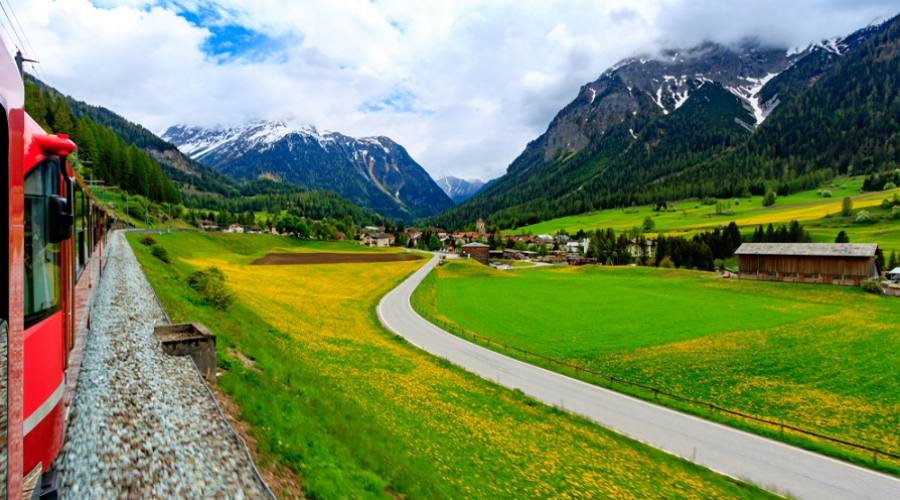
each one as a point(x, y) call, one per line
point(358, 412)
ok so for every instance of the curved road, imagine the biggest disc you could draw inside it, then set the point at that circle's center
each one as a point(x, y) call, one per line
point(776, 466)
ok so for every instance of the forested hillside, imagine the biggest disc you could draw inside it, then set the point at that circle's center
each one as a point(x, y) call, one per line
point(124, 154)
point(189, 177)
point(103, 154)
point(639, 135)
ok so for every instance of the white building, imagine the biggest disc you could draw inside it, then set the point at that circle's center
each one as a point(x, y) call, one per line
point(578, 246)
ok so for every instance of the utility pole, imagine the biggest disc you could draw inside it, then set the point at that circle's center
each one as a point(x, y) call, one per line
point(20, 62)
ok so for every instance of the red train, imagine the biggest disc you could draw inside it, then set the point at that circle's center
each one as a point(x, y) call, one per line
point(52, 228)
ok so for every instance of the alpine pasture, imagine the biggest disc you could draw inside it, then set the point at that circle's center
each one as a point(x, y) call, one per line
point(801, 354)
point(819, 211)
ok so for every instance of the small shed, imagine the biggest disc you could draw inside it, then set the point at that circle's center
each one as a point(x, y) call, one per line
point(830, 263)
point(477, 251)
point(894, 275)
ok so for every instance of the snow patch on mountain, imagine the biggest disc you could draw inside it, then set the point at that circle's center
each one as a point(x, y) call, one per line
point(458, 189)
point(750, 95)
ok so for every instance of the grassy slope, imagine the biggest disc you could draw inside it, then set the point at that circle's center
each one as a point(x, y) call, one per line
point(114, 199)
point(824, 358)
point(806, 206)
point(356, 412)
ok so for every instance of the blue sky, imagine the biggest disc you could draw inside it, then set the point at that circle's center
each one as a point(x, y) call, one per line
point(462, 84)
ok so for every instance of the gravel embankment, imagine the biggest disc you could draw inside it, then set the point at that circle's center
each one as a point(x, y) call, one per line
point(143, 423)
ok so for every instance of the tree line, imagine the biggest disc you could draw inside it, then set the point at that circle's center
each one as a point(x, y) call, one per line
point(704, 251)
point(101, 152)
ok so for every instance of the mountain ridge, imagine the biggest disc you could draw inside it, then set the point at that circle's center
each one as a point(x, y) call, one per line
point(374, 172)
point(458, 189)
point(637, 134)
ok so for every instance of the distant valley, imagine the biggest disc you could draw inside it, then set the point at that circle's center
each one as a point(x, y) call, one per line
point(460, 190)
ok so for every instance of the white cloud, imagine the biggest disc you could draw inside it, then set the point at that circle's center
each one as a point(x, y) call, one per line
point(465, 84)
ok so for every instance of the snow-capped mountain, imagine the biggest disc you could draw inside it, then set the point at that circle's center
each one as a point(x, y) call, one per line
point(651, 121)
point(460, 190)
point(373, 172)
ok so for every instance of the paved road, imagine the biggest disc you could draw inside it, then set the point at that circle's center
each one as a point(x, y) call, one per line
point(778, 467)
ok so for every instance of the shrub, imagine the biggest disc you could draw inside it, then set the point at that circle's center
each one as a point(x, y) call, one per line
point(210, 284)
point(842, 237)
point(825, 193)
point(886, 204)
point(769, 198)
point(148, 240)
point(649, 224)
point(890, 185)
point(719, 264)
point(846, 206)
point(864, 216)
point(895, 212)
point(667, 263)
point(872, 286)
point(160, 253)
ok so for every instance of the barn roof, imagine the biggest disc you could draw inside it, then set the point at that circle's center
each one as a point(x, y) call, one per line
point(809, 249)
point(475, 245)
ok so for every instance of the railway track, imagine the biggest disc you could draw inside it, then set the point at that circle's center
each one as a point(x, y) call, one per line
point(144, 424)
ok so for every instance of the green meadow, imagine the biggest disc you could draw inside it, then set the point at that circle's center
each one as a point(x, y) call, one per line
point(337, 407)
point(819, 214)
point(822, 358)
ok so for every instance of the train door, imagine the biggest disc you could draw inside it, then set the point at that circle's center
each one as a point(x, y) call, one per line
point(47, 229)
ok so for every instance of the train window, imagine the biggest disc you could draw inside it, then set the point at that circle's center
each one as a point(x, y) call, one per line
point(42, 258)
point(80, 219)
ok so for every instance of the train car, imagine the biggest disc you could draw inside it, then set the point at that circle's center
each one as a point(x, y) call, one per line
point(12, 123)
point(52, 229)
point(47, 294)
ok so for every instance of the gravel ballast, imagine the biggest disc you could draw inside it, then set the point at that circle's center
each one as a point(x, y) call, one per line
point(143, 424)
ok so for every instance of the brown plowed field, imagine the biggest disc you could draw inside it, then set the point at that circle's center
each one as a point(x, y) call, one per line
point(277, 259)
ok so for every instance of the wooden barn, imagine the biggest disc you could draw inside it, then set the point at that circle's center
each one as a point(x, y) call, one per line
point(477, 251)
point(830, 263)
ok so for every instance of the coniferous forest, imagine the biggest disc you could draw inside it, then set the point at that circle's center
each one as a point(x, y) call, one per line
point(102, 154)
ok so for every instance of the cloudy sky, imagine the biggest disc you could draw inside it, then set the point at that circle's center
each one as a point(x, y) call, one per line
point(463, 84)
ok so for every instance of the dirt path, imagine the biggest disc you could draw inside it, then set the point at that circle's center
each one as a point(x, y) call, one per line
point(330, 258)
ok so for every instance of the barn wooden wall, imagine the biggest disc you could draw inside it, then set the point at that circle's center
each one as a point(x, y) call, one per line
point(831, 267)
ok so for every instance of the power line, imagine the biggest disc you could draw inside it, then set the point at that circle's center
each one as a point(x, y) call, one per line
point(16, 33)
point(28, 46)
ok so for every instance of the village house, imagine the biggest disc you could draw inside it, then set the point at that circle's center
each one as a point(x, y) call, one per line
point(544, 239)
point(634, 248)
point(235, 228)
point(513, 254)
point(578, 247)
point(830, 263)
point(413, 235)
point(379, 240)
point(208, 225)
point(894, 275)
